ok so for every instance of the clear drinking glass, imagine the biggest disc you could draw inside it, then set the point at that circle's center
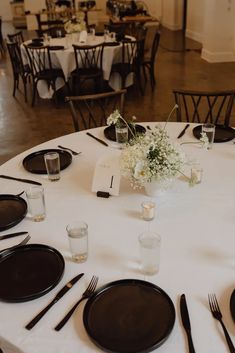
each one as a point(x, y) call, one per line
point(121, 134)
point(52, 162)
point(209, 130)
point(36, 203)
point(78, 240)
point(149, 243)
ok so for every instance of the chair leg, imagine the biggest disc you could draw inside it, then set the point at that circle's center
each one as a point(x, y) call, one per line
point(15, 85)
point(34, 93)
point(25, 88)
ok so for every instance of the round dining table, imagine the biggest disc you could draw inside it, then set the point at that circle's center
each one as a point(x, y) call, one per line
point(196, 225)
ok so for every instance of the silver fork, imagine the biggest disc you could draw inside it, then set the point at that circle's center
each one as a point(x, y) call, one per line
point(88, 292)
point(215, 310)
point(69, 149)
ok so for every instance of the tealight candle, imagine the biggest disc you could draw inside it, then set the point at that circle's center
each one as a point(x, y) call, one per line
point(148, 210)
point(196, 174)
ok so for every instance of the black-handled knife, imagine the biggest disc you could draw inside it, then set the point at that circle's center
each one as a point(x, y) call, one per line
point(183, 131)
point(59, 295)
point(186, 322)
point(11, 235)
point(97, 139)
point(20, 179)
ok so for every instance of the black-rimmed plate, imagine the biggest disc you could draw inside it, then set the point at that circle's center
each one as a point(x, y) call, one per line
point(129, 316)
point(109, 132)
point(56, 47)
point(34, 162)
point(111, 44)
point(232, 305)
point(222, 133)
point(28, 272)
point(12, 210)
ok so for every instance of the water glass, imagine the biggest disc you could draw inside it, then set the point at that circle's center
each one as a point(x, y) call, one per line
point(106, 35)
point(36, 203)
point(148, 210)
point(78, 240)
point(52, 162)
point(209, 130)
point(121, 134)
point(149, 243)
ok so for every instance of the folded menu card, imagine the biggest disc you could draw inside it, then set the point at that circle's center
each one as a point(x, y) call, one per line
point(107, 175)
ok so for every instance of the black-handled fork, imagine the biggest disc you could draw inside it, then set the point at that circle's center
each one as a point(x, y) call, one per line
point(215, 310)
point(88, 292)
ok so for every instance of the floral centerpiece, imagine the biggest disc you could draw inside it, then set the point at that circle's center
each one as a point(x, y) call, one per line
point(151, 157)
point(75, 24)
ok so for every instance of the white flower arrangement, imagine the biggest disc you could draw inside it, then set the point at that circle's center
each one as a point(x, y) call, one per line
point(116, 118)
point(151, 157)
point(76, 24)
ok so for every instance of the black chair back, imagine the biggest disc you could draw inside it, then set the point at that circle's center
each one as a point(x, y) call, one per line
point(91, 111)
point(201, 107)
point(16, 37)
point(88, 56)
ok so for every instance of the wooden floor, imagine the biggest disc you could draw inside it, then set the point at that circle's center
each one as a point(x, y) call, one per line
point(178, 65)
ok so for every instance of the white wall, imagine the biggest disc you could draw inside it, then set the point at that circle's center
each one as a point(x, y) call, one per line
point(5, 10)
point(195, 19)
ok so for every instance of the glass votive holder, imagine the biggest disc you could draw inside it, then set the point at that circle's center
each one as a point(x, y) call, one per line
point(148, 210)
point(78, 240)
point(196, 174)
point(36, 203)
point(149, 243)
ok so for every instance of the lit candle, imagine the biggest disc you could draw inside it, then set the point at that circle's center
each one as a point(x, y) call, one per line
point(148, 210)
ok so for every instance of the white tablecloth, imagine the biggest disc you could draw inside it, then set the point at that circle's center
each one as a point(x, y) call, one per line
point(197, 226)
point(65, 60)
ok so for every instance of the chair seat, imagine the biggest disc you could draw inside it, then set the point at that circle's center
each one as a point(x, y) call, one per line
point(49, 74)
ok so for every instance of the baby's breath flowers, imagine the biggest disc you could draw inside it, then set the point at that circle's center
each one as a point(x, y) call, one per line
point(151, 157)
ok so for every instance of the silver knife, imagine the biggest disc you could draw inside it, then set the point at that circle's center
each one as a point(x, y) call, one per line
point(183, 131)
point(186, 322)
point(59, 295)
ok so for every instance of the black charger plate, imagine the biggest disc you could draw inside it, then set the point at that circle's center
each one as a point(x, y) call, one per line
point(34, 162)
point(129, 316)
point(222, 133)
point(29, 271)
point(12, 210)
point(109, 132)
point(232, 305)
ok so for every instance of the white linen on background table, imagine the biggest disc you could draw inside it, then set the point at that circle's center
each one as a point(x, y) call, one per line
point(197, 226)
point(65, 60)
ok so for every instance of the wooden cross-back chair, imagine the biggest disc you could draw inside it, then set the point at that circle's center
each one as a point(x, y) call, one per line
point(16, 37)
point(89, 66)
point(41, 68)
point(91, 111)
point(201, 107)
point(19, 69)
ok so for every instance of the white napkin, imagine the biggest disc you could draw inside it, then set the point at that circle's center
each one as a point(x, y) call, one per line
point(83, 37)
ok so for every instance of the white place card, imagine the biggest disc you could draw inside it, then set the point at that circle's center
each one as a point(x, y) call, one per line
point(107, 175)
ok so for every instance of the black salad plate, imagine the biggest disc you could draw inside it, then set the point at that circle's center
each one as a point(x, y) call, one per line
point(232, 305)
point(109, 131)
point(29, 271)
point(99, 34)
point(36, 44)
point(129, 316)
point(34, 162)
point(222, 133)
point(12, 210)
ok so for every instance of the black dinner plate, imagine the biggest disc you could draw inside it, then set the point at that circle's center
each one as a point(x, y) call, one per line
point(12, 210)
point(232, 305)
point(29, 271)
point(99, 34)
point(34, 162)
point(222, 133)
point(109, 132)
point(129, 316)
